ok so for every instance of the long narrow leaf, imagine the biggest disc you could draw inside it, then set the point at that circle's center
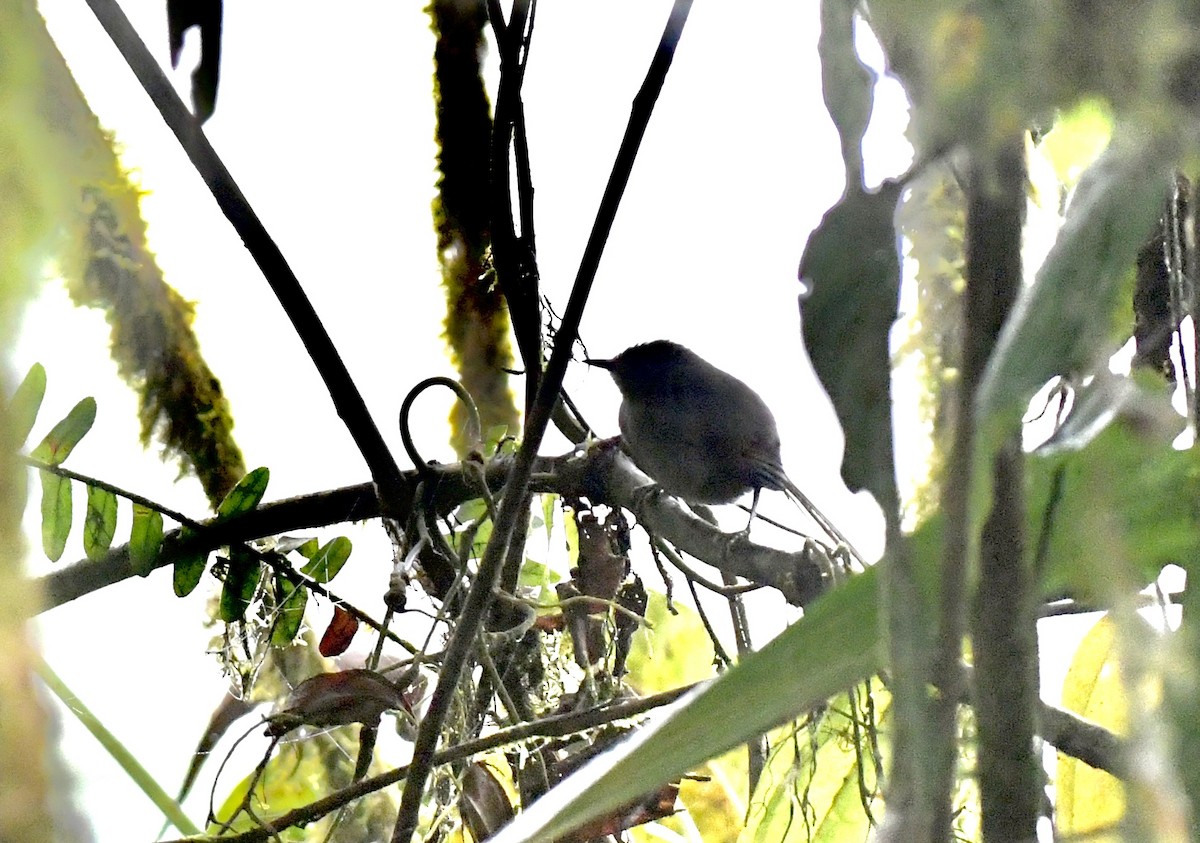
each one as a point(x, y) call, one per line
point(136, 772)
point(25, 403)
point(145, 539)
point(60, 441)
point(56, 514)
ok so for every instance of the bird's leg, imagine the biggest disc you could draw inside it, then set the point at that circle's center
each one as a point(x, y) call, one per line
point(753, 509)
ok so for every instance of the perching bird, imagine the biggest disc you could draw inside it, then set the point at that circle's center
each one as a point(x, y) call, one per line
point(699, 432)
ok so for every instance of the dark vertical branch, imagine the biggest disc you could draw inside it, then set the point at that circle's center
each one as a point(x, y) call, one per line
point(513, 257)
point(1004, 645)
point(995, 208)
point(390, 483)
point(480, 596)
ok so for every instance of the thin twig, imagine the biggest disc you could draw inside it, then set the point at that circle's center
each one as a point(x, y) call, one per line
point(480, 595)
point(274, 561)
point(556, 726)
point(393, 488)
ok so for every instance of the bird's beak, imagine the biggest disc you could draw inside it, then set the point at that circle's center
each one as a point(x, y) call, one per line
point(601, 364)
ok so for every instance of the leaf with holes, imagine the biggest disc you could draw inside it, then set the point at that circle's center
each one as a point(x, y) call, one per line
point(326, 562)
point(241, 580)
point(56, 514)
point(100, 523)
point(25, 403)
point(145, 539)
point(60, 441)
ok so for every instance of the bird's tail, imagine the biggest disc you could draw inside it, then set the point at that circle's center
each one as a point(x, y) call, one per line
point(835, 535)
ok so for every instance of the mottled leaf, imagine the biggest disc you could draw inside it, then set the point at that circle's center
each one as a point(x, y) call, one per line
point(242, 575)
point(290, 613)
point(339, 633)
point(100, 523)
point(145, 539)
point(246, 495)
point(56, 514)
point(326, 562)
point(25, 403)
point(60, 441)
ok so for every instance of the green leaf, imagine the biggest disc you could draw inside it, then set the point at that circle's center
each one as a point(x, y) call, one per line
point(60, 441)
point(189, 566)
point(851, 276)
point(847, 85)
point(56, 514)
point(1061, 323)
point(100, 523)
point(145, 539)
point(246, 495)
point(1110, 516)
point(326, 562)
point(25, 403)
point(793, 673)
point(290, 614)
point(241, 580)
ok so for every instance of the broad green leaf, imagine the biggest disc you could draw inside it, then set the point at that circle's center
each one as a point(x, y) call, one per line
point(246, 495)
point(145, 539)
point(1104, 518)
point(56, 514)
point(290, 613)
point(850, 274)
point(100, 523)
point(60, 441)
point(1110, 516)
point(793, 673)
point(534, 573)
point(1061, 324)
point(1077, 138)
point(25, 403)
point(671, 650)
point(241, 580)
point(825, 773)
point(1090, 799)
point(328, 561)
point(189, 567)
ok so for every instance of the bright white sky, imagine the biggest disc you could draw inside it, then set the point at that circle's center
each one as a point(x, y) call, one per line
point(326, 120)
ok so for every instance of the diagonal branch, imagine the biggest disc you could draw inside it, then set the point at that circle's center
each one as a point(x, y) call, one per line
point(392, 487)
point(490, 567)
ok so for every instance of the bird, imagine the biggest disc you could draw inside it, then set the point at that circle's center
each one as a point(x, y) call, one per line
point(697, 431)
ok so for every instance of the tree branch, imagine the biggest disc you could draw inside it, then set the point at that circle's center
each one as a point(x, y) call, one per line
point(602, 476)
point(547, 396)
point(392, 486)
